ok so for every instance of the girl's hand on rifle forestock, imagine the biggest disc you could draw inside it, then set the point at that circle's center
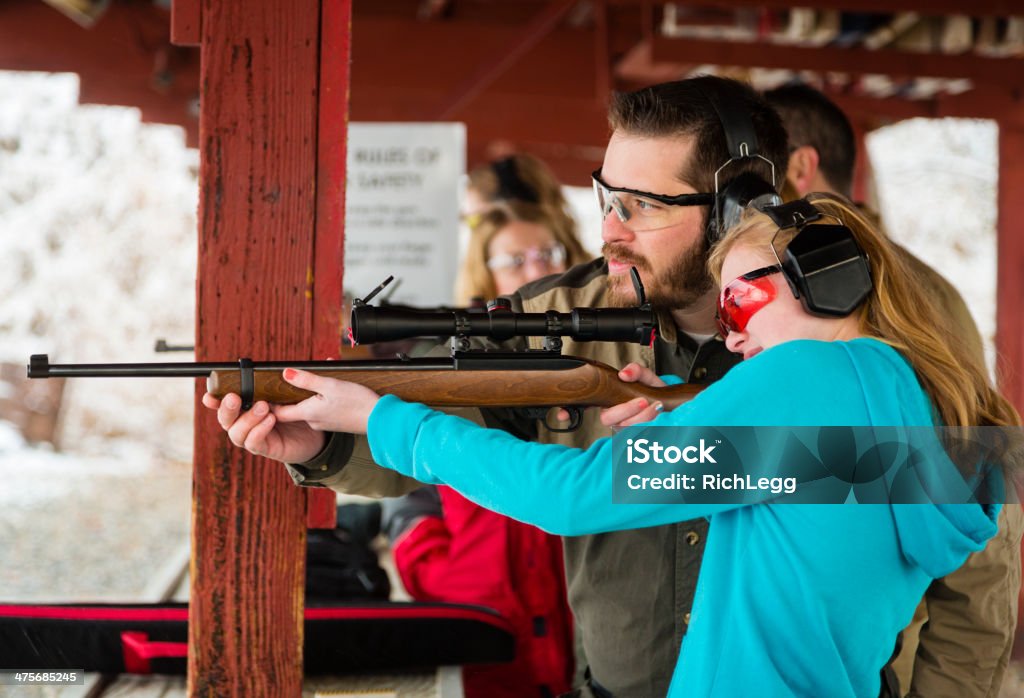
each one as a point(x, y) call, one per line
point(258, 431)
point(337, 406)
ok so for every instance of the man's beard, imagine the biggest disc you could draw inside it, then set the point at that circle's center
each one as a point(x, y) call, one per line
point(679, 285)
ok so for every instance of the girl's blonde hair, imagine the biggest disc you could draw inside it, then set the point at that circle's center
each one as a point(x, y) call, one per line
point(897, 312)
point(475, 280)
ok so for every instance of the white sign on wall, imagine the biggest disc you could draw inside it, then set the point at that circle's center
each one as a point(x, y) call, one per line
point(402, 209)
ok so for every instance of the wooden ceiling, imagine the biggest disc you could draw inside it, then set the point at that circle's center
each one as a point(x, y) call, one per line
point(535, 75)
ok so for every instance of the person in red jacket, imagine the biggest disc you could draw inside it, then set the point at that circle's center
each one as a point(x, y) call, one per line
point(449, 549)
point(471, 555)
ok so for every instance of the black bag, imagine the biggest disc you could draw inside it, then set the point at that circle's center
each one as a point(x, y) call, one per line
point(342, 566)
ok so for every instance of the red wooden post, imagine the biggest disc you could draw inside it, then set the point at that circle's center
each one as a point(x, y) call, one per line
point(265, 210)
point(1010, 262)
point(1010, 286)
point(861, 190)
point(335, 51)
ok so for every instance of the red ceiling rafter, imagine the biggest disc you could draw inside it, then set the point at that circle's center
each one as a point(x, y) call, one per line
point(1005, 72)
point(527, 38)
point(559, 64)
point(982, 103)
point(978, 8)
point(580, 121)
point(117, 59)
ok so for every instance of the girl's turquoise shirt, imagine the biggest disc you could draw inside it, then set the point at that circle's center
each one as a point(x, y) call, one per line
point(793, 599)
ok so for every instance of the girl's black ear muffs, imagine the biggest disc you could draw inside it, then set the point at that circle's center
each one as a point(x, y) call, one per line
point(829, 270)
point(825, 267)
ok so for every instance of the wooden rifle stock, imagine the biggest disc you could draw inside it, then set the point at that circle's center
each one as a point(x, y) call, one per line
point(586, 384)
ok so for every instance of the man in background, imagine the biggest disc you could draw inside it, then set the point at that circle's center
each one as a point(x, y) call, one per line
point(960, 639)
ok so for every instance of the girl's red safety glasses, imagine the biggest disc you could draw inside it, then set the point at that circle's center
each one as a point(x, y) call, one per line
point(744, 296)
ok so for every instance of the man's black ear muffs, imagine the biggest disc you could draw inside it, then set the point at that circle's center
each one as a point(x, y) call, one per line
point(824, 266)
point(734, 193)
point(743, 190)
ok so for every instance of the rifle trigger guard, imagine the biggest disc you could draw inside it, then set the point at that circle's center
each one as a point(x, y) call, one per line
point(575, 418)
point(541, 414)
point(247, 387)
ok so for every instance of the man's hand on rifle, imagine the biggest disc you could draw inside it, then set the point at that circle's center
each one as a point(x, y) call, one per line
point(259, 431)
point(337, 406)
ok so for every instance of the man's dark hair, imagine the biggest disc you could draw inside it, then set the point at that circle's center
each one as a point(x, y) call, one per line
point(812, 119)
point(683, 108)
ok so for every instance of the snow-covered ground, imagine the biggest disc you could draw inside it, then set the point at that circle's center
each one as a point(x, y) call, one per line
point(87, 528)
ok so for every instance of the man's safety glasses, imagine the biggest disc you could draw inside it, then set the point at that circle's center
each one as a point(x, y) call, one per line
point(642, 211)
point(744, 296)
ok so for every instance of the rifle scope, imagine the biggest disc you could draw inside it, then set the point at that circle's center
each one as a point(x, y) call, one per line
point(382, 324)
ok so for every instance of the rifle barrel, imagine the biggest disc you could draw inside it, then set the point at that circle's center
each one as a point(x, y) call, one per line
point(40, 367)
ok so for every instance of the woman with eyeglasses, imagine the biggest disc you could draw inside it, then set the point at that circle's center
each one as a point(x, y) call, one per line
point(524, 188)
point(512, 244)
point(792, 599)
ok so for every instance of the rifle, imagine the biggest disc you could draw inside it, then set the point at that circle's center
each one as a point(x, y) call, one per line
point(535, 379)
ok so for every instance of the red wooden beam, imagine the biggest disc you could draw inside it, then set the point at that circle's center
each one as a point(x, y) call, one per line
point(186, 22)
point(1005, 106)
point(439, 55)
point(977, 8)
point(1002, 8)
point(258, 164)
point(116, 59)
point(1010, 287)
point(570, 120)
point(891, 108)
point(506, 12)
point(1009, 263)
point(329, 254)
point(570, 124)
point(636, 69)
point(501, 59)
point(860, 190)
point(1003, 72)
